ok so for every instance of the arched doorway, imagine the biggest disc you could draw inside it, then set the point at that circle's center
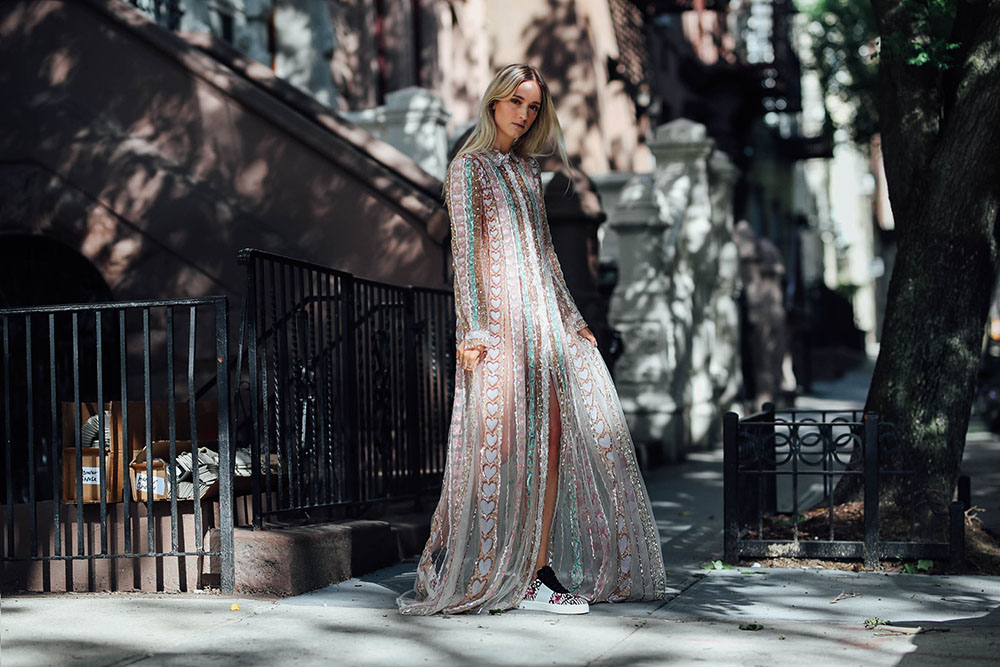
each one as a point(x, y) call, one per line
point(40, 271)
point(40, 358)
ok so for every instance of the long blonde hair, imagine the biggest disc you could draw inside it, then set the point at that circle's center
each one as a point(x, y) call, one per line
point(543, 131)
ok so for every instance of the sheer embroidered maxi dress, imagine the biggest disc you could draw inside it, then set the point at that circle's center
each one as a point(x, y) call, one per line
point(510, 296)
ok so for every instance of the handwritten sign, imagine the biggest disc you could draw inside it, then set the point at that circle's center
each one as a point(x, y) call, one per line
point(159, 484)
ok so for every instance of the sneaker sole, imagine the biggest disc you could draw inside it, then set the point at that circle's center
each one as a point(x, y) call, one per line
point(531, 605)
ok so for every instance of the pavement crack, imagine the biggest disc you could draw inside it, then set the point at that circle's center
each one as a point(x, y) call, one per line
point(600, 656)
point(130, 660)
point(694, 581)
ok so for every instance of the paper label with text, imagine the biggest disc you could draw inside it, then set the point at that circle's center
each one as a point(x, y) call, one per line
point(91, 476)
point(159, 484)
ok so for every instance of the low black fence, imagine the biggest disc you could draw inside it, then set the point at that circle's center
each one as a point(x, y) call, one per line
point(780, 472)
point(348, 388)
point(117, 466)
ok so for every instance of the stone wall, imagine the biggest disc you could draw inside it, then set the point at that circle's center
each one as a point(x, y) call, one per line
point(160, 173)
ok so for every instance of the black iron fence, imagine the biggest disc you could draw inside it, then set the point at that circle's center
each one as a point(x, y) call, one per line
point(780, 473)
point(348, 383)
point(116, 456)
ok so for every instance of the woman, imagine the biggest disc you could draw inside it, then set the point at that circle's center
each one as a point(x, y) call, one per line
point(541, 485)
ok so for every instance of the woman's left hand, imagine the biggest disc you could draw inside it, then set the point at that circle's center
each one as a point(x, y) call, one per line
point(589, 335)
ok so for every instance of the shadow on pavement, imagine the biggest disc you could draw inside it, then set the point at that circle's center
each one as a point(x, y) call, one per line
point(974, 640)
point(834, 596)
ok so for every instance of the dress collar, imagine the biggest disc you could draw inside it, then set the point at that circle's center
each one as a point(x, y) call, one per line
point(499, 157)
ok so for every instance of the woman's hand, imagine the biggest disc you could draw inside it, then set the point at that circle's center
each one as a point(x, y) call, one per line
point(468, 357)
point(589, 335)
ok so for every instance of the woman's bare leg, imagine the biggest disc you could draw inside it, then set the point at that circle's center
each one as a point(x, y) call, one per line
point(551, 479)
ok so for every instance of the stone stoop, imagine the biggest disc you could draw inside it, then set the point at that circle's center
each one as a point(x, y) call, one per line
point(291, 560)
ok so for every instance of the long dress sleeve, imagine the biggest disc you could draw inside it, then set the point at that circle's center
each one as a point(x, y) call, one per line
point(571, 316)
point(465, 211)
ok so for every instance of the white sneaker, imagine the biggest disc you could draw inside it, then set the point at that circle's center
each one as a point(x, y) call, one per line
point(540, 597)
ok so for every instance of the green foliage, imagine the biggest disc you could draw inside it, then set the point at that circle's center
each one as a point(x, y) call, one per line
point(923, 39)
point(847, 47)
point(923, 565)
point(874, 622)
point(716, 565)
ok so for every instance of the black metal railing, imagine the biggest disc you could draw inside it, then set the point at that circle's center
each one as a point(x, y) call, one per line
point(100, 408)
point(349, 384)
point(771, 457)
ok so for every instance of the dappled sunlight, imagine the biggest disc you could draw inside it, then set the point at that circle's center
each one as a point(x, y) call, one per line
point(181, 161)
point(806, 596)
point(60, 64)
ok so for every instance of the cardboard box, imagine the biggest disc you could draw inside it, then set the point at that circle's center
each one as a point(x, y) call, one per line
point(159, 484)
point(91, 472)
point(91, 459)
point(125, 446)
point(206, 416)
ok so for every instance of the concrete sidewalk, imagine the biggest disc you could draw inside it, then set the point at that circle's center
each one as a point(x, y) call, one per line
point(813, 617)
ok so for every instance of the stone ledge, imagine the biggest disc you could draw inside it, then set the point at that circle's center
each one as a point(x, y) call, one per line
point(296, 559)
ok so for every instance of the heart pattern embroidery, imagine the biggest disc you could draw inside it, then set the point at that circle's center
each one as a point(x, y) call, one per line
point(608, 522)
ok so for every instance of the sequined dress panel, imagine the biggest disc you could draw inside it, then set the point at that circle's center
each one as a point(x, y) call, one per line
point(510, 297)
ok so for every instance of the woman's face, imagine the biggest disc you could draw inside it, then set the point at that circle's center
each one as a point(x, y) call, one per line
point(513, 117)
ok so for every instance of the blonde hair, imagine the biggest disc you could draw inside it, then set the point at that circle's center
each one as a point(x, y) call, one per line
point(543, 131)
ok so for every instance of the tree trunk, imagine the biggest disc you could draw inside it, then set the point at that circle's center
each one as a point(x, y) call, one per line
point(941, 142)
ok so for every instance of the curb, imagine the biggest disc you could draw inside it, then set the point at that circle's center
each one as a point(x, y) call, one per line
point(291, 560)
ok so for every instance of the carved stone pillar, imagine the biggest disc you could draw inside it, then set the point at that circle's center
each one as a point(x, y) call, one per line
point(640, 311)
point(666, 247)
point(413, 120)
